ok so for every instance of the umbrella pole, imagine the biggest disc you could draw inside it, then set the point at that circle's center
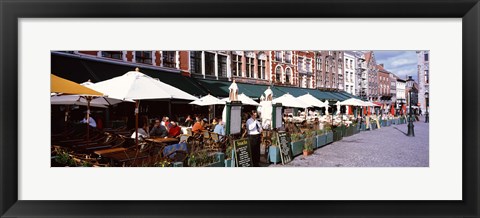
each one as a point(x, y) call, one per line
point(137, 103)
point(88, 117)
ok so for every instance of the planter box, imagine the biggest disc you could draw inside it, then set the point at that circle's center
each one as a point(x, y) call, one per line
point(297, 147)
point(344, 130)
point(229, 163)
point(337, 135)
point(220, 160)
point(321, 140)
point(362, 127)
point(314, 142)
point(329, 137)
point(374, 125)
point(389, 122)
point(274, 155)
point(178, 164)
point(349, 131)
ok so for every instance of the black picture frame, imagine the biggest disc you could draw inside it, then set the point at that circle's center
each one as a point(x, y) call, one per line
point(11, 11)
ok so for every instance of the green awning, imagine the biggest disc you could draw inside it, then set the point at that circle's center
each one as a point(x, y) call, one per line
point(220, 88)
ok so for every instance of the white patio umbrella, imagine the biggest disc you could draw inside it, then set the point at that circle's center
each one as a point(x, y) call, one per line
point(353, 102)
point(244, 99)
point(137, 86)
point(208, 100)
point(101, 101)
point(288, 100)
point(312, 100)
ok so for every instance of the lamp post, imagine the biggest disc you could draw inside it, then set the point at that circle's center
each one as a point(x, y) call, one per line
point(410, 117)
point(426, 107)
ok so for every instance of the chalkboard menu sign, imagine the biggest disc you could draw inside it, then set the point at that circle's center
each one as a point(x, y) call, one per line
point(243, 154)
point(284, 144)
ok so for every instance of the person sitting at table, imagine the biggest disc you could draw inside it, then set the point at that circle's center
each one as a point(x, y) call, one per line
point(91, 122)
point(188, 121)
point(175, 130)
point(142, 134)
point(198, 127)
point(220, 129)
point(158, 129)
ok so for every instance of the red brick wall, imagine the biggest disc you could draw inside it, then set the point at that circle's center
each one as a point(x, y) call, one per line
point(157, 58)
point(129, 56)
point(89, 52)
point(184, 63)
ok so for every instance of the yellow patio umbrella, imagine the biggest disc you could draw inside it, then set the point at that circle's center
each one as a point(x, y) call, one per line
point(67, 87)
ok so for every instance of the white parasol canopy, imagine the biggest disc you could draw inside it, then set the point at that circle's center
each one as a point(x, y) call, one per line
point(102, 102)
point(244, 99)
point(135, 85)
point(312, 100)
point(288, 100)
point(353, 102)
point(208, 100)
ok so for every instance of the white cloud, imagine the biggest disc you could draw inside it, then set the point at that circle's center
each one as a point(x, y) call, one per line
point(402, 62)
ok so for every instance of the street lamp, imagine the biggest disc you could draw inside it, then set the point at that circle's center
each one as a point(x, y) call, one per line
point(426, 104)
point(411, 131)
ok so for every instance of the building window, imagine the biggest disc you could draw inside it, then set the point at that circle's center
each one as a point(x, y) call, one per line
point(426, 56)
point(288, 57)
point(168, 59)
point(319, 64)
point(288, 75)
point(426, 76)
point(278, 56)
point(278, 74)
point(143, 57)
point(196, 62)
point(309, 66)
point(250, 65)
point(236, 65)
point(300, 65)
point(222, 66)
point(112, 54)
point(261, 69)
point(209, 64)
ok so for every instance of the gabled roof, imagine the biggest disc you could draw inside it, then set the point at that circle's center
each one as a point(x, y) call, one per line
point(368, 55)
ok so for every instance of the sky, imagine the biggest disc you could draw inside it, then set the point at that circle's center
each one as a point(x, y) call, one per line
point(401, 63)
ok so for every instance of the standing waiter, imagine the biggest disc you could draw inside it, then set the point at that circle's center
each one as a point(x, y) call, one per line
point(254, 129)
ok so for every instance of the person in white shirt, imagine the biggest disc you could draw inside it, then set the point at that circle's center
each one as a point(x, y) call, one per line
point(91, 122)
point(254, 128)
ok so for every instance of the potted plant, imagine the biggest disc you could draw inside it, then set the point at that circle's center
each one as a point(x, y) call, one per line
point(308, 146)
point(337, 133)
point(229, 160)
point(297, 143)
point(274, 151)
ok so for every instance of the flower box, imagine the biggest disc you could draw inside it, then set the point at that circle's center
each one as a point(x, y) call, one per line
point(337, 134)
point(229, 163)
point(274, 155)
point(321, 140)
point(362, 127)
point(349, 131)
point(314, 142)
point(373, 125)
point(297, 147)
point(220, 160)
point(389, 122)
point(329, 137)
point(178, 164)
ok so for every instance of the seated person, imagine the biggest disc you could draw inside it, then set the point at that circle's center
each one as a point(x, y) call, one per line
point(188, 121)
point(91, 122)
point(142, 134)
point(174, 131)
point(197, 127)
point(158, 130)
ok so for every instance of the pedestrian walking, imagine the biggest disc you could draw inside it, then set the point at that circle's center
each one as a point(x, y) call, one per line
point(254, 129)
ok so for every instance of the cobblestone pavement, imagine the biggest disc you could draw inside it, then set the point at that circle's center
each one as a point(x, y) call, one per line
point(385, 147)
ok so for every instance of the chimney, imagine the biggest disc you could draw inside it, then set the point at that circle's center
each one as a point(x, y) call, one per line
point(381, 65)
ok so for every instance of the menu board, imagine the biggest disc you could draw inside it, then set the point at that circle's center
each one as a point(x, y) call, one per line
point(235, 120)
point(243, 154)
point(284, 144)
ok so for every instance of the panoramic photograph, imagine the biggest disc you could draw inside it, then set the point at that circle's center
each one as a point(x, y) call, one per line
point(277, 108)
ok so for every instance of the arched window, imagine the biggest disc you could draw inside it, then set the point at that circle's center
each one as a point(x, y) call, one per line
point(288, 75)
point(278, 74)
